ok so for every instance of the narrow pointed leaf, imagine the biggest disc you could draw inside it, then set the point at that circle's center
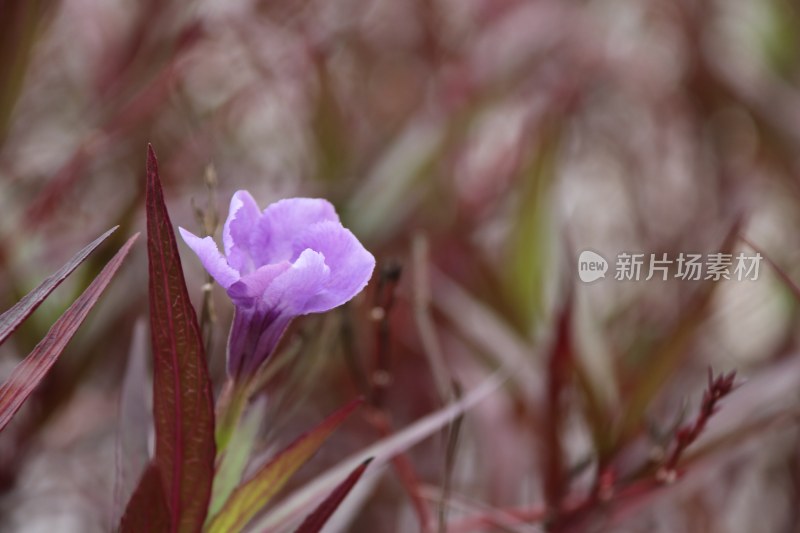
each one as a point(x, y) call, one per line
point(182, 398)
point(317, 520)
point(559, 370)
point(11, 319)
point(234, 461)
point(30, 371)
point(296, 505)
point(147, 509)
point(251, 497)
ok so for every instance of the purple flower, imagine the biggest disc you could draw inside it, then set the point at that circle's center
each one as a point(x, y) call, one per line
point(292, 259)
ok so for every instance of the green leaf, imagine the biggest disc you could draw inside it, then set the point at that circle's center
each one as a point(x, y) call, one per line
point(530, 241)
point(235, 457)
point(251, 497)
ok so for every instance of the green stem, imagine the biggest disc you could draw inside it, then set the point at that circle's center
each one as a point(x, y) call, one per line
point(231, 407)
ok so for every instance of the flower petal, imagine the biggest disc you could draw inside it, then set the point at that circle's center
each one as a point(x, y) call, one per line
point(281, 222)
point(248, 291)
point(212, 260)
point(291, 291)
point(351, 265)
point(255, 334)
point(240, 231)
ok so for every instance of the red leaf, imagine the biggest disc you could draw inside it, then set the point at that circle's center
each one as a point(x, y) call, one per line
point(30, 371)
point(182, 398)
point(11, 319)
point(147, 509)
point(317, 519)
point(559, 370)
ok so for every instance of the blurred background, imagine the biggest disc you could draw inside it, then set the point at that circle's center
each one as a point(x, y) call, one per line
point(476, 147)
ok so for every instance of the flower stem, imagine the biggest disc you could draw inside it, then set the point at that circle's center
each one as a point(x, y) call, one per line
point(232, 402)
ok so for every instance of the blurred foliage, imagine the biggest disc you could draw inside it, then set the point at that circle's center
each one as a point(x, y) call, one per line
point(509, 136)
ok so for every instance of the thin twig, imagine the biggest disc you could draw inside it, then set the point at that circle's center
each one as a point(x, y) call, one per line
point(208, 218)
point(718, 387)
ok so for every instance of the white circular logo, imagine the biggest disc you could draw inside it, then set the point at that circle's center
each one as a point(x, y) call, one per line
point(591, 266)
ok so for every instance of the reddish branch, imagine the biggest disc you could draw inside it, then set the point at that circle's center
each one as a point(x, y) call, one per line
point(575, 510)
point(388, 279)
point(718, 388)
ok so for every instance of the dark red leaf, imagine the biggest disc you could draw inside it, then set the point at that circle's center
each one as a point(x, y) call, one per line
point(30, 371)
point(147, 509)
point(11, 319)
point(559, 370)
point(182, 398)
point(317, 519)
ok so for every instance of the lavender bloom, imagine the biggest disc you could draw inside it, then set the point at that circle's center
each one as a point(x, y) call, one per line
point(292, 259)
